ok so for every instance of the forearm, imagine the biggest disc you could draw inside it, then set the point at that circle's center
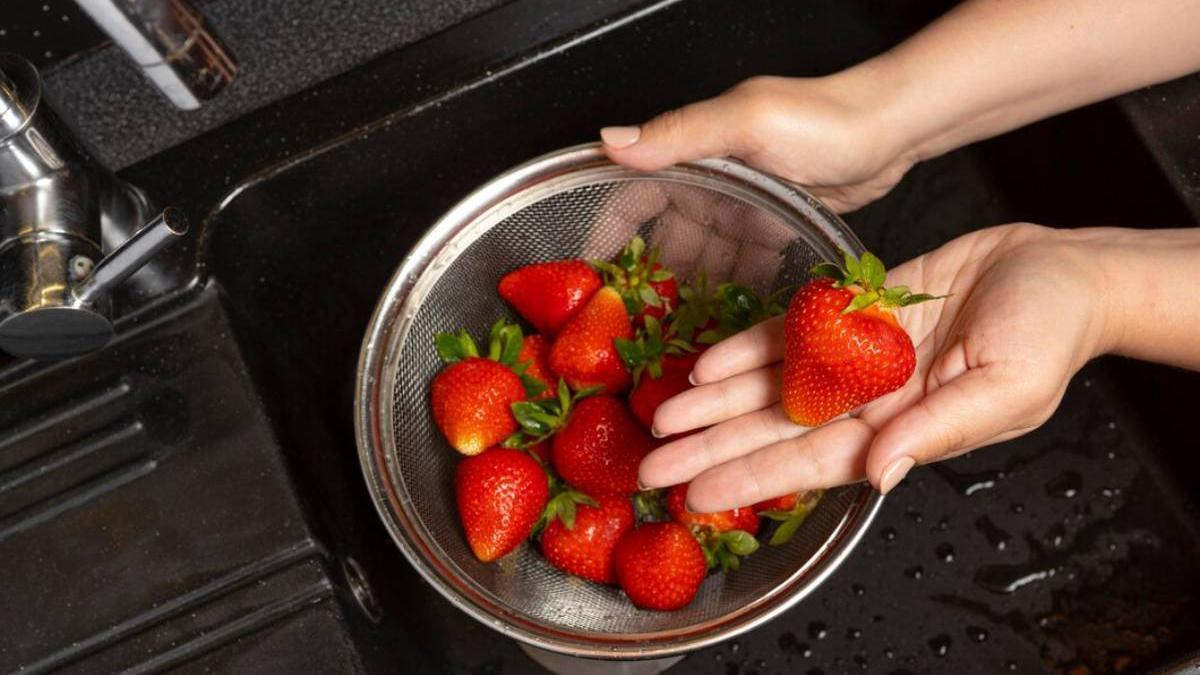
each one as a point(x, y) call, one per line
point(989, 66)
point(1148, 293)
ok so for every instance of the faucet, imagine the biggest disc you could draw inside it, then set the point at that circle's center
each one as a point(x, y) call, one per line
point(55, 204)
point(171, 42)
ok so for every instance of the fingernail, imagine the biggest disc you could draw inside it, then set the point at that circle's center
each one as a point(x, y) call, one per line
point(692, 379)
point(620, 137)
point(641, 487)
point(656, 433)
point(894, 473)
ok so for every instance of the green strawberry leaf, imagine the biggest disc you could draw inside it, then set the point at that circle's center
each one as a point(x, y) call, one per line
point(786, 530)
point(914, 298)
point(861, 301)
point(636, 247)
point(873, 273)
point(709, 337)
point(728, 560)
point(776, 515)
point(827, 269)
point(853, 269)
point(649, 296)
point(661, 274)
point(533, 386)
point(739, 542)
point(632, 352)
point(454, 347)
point(649, 505)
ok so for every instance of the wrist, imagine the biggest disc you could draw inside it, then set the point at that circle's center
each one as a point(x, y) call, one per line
point(877, 88)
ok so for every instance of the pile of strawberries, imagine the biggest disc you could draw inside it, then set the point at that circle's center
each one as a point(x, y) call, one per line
point(554, 425)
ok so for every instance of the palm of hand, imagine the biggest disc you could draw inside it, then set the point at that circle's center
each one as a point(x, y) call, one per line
point(992, 363)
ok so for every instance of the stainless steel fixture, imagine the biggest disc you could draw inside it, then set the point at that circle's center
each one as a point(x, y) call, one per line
point(171, 42)
point(55, 205)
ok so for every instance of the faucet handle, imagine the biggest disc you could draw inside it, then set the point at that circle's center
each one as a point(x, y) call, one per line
point(130, 256)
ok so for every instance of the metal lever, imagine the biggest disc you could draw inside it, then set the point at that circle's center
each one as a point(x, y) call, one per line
point(130, 256)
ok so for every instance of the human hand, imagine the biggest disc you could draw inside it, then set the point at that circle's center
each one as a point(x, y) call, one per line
point(993, 361)
point(827, 134)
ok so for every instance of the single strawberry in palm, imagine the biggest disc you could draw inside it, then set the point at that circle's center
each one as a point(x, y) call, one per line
point(844, 346)
point(660, 566)
point(548, 294)
point(472, 397)
point(501, 496)
point(585, 353)
point(725, 536)
point(599, 448)
point(648, 288)
point(583, 543)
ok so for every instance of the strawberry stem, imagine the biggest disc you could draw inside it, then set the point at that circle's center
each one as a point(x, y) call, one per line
point(868, 275)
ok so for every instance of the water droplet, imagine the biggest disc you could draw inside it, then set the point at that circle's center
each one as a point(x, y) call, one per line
point(718, 657)
point(915, 516)
point(860, 661)
point(940, 645)
point(1018, 508)
point(1065, 485)
point(889, 653)
point(761, 663)
point(944, 552)
point(817, 630)
point(943, 525)
point(735, 646)
point(853, 634)
point(1011, 665)
point(915, 572)
point(997, 537)
point(858, 590)
point(888, 534)
point(977, 634)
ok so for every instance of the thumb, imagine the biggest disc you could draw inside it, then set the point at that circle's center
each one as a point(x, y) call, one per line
point(970, 410)
point(711, 128)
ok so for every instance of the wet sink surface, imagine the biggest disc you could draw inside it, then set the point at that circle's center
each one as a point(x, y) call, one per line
point(1073, 546)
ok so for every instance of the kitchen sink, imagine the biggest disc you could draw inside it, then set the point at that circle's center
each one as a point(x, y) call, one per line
point(1071, 549)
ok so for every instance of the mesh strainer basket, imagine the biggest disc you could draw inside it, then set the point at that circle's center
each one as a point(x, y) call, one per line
point(716, 215)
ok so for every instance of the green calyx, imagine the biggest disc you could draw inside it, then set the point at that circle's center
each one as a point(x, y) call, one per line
point(645, 352)
point(868, 275)
point(504, 346)
point(726, 549)
point(706, 317)
point(650, 505)
point(791, 520)
point(562, 506)
point(539, 420)
point(632, 274)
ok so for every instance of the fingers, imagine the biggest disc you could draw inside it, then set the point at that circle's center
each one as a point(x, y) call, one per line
point(624, 210)
point(824, 457)
point(684, 459)
point(961, 413)
point(714, 403)
point(706, 129)
point(753, 348)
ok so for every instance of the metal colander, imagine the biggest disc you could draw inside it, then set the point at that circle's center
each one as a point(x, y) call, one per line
point(716, 215)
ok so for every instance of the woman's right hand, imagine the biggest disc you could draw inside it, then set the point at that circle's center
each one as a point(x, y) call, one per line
point(827, 134)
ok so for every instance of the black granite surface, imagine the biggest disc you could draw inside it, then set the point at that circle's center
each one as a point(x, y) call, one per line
point(282, 46)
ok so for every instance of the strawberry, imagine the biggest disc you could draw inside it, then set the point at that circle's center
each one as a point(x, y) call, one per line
point(472, 397)
point(585, 354)
point(651, 391)
point(535, 354)
point(648, 288)
point(501, 495)
point(548, 294)
point(844, 346)
point(660, 566)
point(583, 545)
point(724, 521)
point(724, 537)
point(600, 447)
point(790, 511)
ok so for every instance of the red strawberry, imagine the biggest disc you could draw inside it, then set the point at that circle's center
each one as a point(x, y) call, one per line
point(501, 494)
point(651, 391)
point(743, 519)
point(472, 397)
point(648, 288)
point(535, 352)
point(548, 294)
point(600, 447)
point(585, 354)
point(660, 566)
point(541, 451)
point(844, 347)
point(790, 511)
point(585, 547)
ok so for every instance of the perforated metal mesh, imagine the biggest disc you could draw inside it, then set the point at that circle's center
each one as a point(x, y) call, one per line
point(699, 226)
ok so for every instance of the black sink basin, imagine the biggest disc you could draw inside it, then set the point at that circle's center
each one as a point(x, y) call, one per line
point(1072, 547)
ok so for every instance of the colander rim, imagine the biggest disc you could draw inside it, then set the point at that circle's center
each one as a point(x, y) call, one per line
point(373, 416)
